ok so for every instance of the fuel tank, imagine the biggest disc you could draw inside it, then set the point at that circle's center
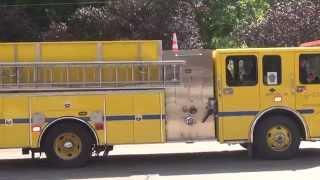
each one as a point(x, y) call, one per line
point(186, 105)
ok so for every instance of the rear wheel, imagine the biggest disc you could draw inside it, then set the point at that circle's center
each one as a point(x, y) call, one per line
point(68, 145)
point(276, 137)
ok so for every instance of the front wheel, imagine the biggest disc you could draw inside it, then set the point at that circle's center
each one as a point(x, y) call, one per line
point(68, 145)
point(276, 137)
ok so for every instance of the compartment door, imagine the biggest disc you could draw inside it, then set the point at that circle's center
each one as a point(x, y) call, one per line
point(15, 123)
point(148, 124)
point(119, 116)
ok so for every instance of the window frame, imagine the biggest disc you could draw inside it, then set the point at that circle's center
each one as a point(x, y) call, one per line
point(299, 64)
point(255, 83)
point(263, 70)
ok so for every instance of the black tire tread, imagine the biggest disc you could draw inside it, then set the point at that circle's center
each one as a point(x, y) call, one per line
point(84, 135)
point(260, 146)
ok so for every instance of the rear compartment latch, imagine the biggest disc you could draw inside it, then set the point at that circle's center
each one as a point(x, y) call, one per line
point(138, 117)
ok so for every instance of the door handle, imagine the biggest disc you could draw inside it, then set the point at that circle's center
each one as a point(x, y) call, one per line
point(272, 90)
point(138, 117)
point(300, 89)
point(228, 91)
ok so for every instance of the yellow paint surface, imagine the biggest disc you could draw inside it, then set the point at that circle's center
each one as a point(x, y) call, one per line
point(150, 50)
point(26, 52)
point(236, 128)
point(134, 131)
point(131, 50)
point(14, 135)
point(59, 106)
point(68, 51)
point(35, 139)
point(101, 137)
point(147, 130)
point(7, 52)
point(121, 131)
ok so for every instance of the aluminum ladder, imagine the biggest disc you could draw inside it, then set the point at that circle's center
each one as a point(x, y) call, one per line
point(42, 76)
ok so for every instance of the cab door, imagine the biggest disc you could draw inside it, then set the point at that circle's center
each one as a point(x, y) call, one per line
point(277, 81)
point(307, 66)
point(240, 94)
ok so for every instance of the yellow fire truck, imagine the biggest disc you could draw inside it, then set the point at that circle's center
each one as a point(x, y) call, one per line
point(73, 99)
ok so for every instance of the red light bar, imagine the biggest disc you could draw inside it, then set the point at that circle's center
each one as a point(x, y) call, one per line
point(311, 44)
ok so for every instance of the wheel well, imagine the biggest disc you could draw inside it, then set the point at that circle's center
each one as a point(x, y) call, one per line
point(67, 121)
point(287, 113)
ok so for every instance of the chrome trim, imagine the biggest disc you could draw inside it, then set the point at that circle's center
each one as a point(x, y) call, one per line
point(259, 115)
point(161, 118)
point(139, 50)
point(38, 52)
point(67, 117)
point(105, 120)
point(160, 50)
point(62, 62)
point(237, 113)
point(30, 122)
point(89, 89)
point(99, 53)
point(71, 93)
point(15, 54)
point(191, 99)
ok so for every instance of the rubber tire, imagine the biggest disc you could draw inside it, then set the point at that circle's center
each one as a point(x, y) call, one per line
point(84, 136)
point(262, 150)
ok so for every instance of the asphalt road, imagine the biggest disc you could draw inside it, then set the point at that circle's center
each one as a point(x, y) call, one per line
point(205, 160)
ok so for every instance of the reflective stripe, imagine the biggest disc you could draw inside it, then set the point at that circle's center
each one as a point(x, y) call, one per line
point(254, 113)
point(238, 113)
point(119, 118)
point(154, 116)
point(16, 121)
point(306, 111)
point(20, 121)
point(108, 118)
point(157, 116)
point(132, 117)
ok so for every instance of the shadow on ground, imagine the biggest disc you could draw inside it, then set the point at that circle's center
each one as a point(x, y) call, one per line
point(163, 165)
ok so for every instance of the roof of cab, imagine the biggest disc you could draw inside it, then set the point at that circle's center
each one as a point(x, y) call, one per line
point(255, 50)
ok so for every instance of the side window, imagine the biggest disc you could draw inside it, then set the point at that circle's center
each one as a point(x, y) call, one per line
point(271, 70)
point(309, 70)
point(241, 70)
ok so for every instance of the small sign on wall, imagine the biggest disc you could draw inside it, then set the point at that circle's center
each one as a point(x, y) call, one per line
point(272, 78)
point(8, 122)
